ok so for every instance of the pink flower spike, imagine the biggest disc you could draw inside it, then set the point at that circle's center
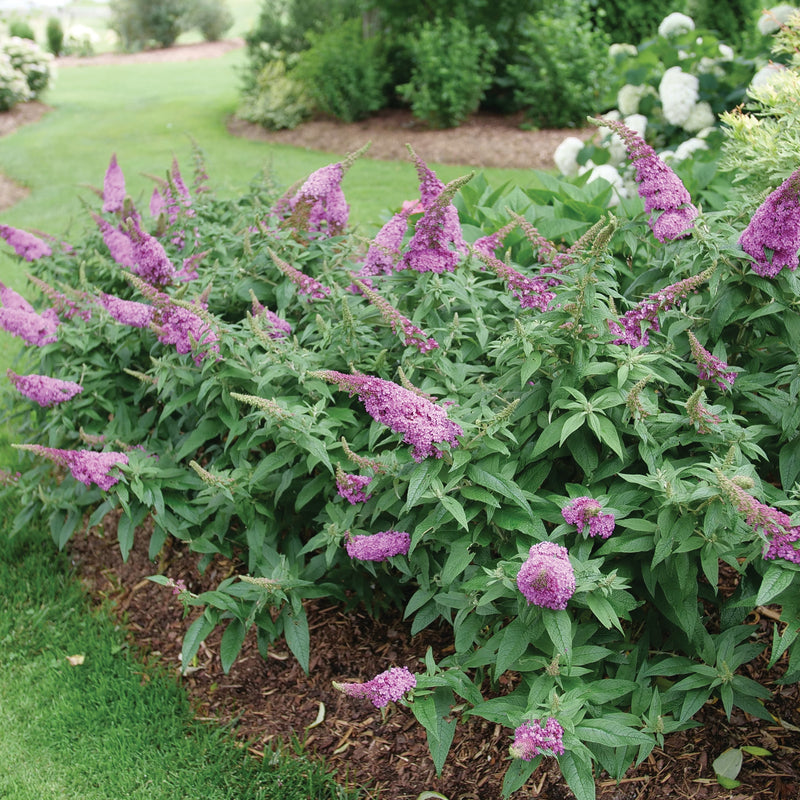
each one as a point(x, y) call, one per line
point(118, 242)
point(773, 236)
point(25, 244)
point(113, 188)
point(35, 329)
point(305, 283)
point(127, 312)
point(531, 740)
point(387, 687)
point(150, 259)
point(87, 466)
point(352, 487)
point(659, 187)
point(378, 546)
point(44, 390)
point(546, 578)
point(422, 422)
point(710, 368)
point(11, 299)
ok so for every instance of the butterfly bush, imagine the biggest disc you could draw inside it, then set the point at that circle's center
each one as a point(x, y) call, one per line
point(422, 423)
point(43, 389)
point(387, 687)
point(25, 244)
point(584, 486)
point(377, 546)
point(113, 188)
point(531, 739)
point(547, 578)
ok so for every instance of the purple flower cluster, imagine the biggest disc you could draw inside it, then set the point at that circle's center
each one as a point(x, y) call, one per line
point(546, 578)
point(305, 283)
point(634, 327)
point(774, 525)
point(412, 335)
point(65, 307)
point(128, 312)
point(186, 330)
point(18, 317)
point(383, 254)
point(421, 421)
point(531, 292)
point(175, 200)
point(25, 244)
point(659, 187)
point(352, 487)
point(118, 242)
point(773, 236)
point(44, 390)
point(429, 249)
point(276, 328)
point(387, 687)
point(150, 260)
point(430, 187)
point(322, 193)
point(531, 740)
point(378, 546)
point(113, 188)
point(87, 466)
point(710, 368)
point(583, 510)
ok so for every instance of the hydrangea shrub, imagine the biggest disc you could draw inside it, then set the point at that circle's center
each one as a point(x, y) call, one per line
point(592, 492)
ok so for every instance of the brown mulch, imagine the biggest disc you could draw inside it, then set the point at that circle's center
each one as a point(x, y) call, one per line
point(271, 699)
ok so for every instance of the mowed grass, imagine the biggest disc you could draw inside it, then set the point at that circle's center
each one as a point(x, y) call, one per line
point(108, 728)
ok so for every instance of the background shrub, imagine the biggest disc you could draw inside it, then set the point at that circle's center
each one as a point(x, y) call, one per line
point(30, 61)
point(146, 23)
point(13, 86)
point(344, 72)
point(451, 71)
point(560, 67)
point(630, 20)
point(276, 99)
point(212, 18)
point(20, 28)
point(55, 36)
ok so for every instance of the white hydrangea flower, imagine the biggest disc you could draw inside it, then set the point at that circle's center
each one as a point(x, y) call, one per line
point(765, 75)
point(628, 98)
point(622, 50)
point(771, 19)
point(701, 116)
point(675, 24)
point(637, 123)
point(679, 91)
point(566, 156)
point(610, 174)
point(726, 52)
point(688, 148)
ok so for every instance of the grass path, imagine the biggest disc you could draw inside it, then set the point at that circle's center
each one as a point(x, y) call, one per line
point(108, 728)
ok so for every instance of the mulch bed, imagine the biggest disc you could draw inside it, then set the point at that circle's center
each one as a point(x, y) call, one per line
point(271, 700)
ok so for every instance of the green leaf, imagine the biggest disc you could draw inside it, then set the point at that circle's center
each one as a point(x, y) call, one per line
point(571, 425)
point(728, 764)
point(500, 485)
point(432, 713)
point(457, 561)
point(517, 773)
point(513, 644)
point(207, 429)
point(789, 461)
point(420, 481)
point(559, 628)
point(231, 643)
point(549, 436)
point(775, 580)
point(196, 634)
point(295, 629)
point(577, 773)
point(456, 509)
point(611, 733)
point(605, 431)
point(125, 533)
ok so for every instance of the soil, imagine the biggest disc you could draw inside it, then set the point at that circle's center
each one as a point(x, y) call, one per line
point(270, 700)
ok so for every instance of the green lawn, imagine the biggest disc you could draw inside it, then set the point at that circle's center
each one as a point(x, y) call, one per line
point(108, 728)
